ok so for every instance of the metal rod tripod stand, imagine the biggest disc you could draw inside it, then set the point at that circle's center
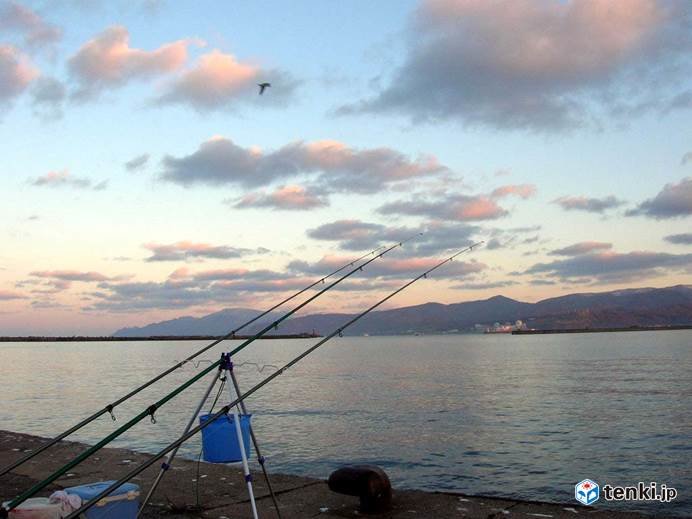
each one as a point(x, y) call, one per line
point(225, 373)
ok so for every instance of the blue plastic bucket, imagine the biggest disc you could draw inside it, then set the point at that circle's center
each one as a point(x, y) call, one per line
point(220, 441)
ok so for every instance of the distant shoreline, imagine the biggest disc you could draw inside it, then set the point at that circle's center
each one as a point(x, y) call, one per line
point(604, 330)
point(110, 338)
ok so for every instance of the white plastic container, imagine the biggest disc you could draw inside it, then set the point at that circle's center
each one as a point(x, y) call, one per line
point(37, 508)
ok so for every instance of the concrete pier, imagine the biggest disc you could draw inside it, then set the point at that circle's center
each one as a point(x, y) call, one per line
point(222, 491)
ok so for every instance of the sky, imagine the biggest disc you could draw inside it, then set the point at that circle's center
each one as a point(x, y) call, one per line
point(144, 178)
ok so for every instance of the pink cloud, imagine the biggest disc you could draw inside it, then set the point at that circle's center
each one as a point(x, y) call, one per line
point(274, 285)
point(70, 275)
point(409, 267)
point(585, 247)
point(614, 266)
point(460, 207)
point(520, 190)
point(53, 177)
point(393, 267)
point(16, 72)
point(565, 39)
point(181, 273)
point(61, 178)
point(214, 81)
point(108, 60)
point(327, 263)
point(383, 162)
point(476, 208)
point(673, 201)
point(286, 197)
point(334, 166)
point(60, 280)
point(7, 295)
point(537, 64)
point(452, 207)
point(184, 250)
point(37, 32)
point(217, 274)
point(590, 205)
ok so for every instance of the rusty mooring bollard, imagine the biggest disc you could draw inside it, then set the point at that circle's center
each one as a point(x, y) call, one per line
point(368, 482)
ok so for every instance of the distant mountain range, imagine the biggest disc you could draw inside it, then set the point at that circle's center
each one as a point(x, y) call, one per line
point(218, 323)
point(621, 308)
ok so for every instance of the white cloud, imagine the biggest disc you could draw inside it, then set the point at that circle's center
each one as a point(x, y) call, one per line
point(333, 165)
point(538, 64)
point(37, 33)
point(673, 201)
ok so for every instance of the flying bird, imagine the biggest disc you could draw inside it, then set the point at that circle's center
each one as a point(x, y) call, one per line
point(263, 87)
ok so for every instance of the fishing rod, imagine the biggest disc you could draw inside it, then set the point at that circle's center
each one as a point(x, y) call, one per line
point(151, 410)
point(224, 410)
point(110, 407)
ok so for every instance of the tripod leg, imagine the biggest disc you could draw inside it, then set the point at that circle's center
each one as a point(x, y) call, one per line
point(169, 459)
point(260, 458)
point(243, 454)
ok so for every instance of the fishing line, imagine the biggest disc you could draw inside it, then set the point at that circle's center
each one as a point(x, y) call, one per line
point(151, 410)
point(110, 407)
point(261, 368)
point(224, 410)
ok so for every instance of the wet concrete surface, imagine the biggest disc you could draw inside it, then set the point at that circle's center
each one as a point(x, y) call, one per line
point(220, 490)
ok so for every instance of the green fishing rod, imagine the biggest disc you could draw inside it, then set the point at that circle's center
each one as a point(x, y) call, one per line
point(151, 410)
point(110, 407)
point(225, 409)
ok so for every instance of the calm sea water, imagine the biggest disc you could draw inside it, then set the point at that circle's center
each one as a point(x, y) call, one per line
point(515, 416)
